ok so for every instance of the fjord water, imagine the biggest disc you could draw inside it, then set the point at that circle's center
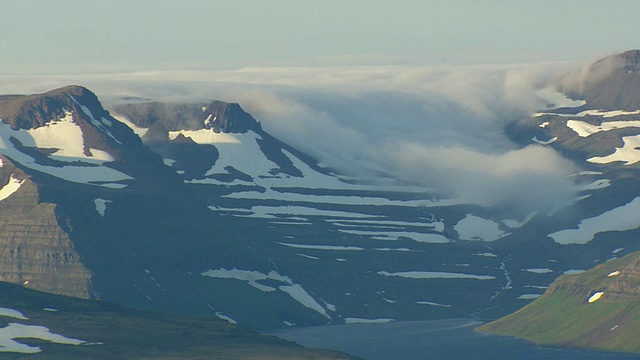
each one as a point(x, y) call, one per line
point(436, 339)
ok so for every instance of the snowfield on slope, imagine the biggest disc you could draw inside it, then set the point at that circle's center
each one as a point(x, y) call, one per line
point(240, 151)
point(13, 331)
point(629, 153)
point(65, 137)
point(619, 219)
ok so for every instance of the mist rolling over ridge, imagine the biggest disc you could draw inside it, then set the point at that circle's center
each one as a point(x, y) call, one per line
point(439, 127)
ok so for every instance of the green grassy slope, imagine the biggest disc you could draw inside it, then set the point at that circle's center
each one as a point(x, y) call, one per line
point(115, 332)
point(563, 316)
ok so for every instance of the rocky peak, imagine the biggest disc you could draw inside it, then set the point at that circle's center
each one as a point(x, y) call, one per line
point(631, 60)
point(219, 116)
point(228, 118)
point(33, 111)
point(611, 83)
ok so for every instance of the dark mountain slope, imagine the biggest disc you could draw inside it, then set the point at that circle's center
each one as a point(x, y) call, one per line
point(84, 329)
point(136, 233)
point(611, 83)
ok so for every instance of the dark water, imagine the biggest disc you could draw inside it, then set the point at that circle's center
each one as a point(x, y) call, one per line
point(439, 339)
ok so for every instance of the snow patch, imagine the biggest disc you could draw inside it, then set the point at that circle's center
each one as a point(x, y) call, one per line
point(600, 113)
point(282, 195)
point(614, 273)
point(596, 185)
point(12, 313)
point(12, 186)
point(395, 235)
point(434, 225)
point(14, 331)
point(476, 228)
point(514, 224)
point(629, 153)
point(544, 142)
point(269, 212)
point(619, 219)
point(65, 139)
point(101, 205)
point(595, 297)
point(584, 129)
point(95, 122)
point(430, 303)
point(226, 318)
point(168, 162)
point(402, 249)
point(528, 296)
point(323, 247)
point(123, 119)
point(538, 270)
point(435, 275)
point(351, 320)
point(573, 272)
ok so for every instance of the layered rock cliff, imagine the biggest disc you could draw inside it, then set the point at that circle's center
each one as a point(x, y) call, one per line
point(34, 250)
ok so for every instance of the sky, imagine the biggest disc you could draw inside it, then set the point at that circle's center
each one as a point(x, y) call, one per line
point(39, 36)
point(421, 89)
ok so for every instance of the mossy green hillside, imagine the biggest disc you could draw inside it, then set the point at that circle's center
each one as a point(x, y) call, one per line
point(563, 316)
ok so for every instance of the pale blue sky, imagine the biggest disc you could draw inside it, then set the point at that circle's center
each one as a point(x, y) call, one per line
point(79, 35)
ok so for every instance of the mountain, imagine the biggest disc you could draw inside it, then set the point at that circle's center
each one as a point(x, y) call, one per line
point(612, 82)
point(47, 326)
point(194, 209)
point(597, 309)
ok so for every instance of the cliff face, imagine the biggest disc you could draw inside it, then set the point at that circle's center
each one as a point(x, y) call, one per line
point(34, 249)
point(598, 309)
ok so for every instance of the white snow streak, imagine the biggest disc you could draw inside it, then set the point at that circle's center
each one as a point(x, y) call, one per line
point(539, 270)
point(253, 277)
point(12, 313)
point(350, 320)
point(323, 247)
point(435, 275)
